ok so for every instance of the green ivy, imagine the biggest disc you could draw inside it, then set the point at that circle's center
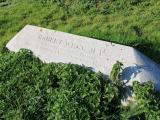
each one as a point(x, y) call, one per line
point(32, 90)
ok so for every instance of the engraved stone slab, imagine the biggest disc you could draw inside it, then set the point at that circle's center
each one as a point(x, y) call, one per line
point(56, 46)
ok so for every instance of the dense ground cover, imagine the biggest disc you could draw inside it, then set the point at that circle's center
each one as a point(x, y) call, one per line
point(131, 22)
point(32, 90)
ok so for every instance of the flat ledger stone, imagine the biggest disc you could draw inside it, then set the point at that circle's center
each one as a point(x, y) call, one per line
point(56, 46)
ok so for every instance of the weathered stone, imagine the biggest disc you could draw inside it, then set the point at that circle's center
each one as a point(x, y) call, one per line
point(55, 46)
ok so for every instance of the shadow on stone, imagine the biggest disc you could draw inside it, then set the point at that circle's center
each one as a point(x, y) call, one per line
point(130, 73)
point(127, 93)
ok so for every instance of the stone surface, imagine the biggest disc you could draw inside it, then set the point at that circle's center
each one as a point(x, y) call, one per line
point(56, 46)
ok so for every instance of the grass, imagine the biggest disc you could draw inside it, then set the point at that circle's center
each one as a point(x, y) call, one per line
point(133, 22)
point(30, 89)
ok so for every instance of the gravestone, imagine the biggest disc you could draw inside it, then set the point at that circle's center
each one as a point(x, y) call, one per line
point(56, 46)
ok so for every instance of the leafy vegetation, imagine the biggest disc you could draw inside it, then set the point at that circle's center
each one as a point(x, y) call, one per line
point(131, 22)
point(116, 71)
point(32, 90)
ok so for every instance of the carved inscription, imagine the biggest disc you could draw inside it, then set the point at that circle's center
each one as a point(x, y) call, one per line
point(90, 56)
